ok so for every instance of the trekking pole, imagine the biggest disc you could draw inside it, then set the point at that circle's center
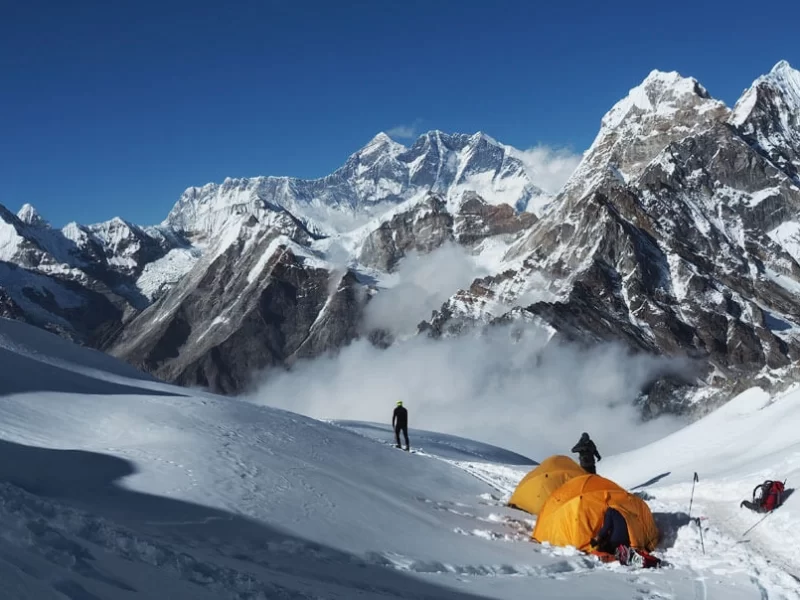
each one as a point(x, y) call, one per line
point(761, 520)
point(695, 479)
point(702, 543)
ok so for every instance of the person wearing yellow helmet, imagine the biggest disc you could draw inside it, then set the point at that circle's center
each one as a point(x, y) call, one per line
point(400, 423)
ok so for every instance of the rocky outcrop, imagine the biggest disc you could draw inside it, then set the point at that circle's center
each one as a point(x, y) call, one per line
point(478, 220)
point(422, 229)
point(430, 223)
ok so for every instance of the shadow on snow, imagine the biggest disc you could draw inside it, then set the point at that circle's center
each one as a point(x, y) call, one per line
point(652, 481)
point(29, 375)
point(273, 562)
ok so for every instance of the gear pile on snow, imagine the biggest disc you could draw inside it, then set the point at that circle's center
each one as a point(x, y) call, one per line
point(767, 497)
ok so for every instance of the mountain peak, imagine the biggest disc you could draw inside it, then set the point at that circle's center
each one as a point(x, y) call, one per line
point(381, 138)
point(380, 143)
point(783, 80)
point(658, 76)
point(781, 67)
point(661, 93)
point(30, 216)
point(768, 113)
point(480, 135)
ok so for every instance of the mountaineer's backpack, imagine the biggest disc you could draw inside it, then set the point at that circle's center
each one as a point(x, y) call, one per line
point(768, 495)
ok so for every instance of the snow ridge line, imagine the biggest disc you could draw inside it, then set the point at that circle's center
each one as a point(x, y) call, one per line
point(480, 471)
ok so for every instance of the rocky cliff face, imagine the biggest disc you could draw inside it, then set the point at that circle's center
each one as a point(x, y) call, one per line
point(673, 237)
point(258, 299)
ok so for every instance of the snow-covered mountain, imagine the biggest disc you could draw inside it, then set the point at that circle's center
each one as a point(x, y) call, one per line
point(116, 486)
point(768, 116)
point(382, 174)
point(197, 298)
point(675, 235)
point(81, 279)
point(678, 234)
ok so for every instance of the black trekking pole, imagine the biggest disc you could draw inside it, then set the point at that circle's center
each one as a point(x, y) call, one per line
point(700, 527)
point(691, 499)
point(761, 520)
point(695, 479)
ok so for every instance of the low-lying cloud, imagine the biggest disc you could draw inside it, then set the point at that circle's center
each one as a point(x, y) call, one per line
point(548, 167)
point(521, 393)
point(422, 283)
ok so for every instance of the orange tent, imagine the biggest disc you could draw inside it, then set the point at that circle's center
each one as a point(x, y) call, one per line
point(574, 513)
point(535, 488)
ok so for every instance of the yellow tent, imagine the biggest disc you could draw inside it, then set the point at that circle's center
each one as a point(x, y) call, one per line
point(574, 513)
point(536, 487)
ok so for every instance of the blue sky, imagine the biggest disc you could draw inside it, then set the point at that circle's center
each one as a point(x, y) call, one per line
point(114, 108)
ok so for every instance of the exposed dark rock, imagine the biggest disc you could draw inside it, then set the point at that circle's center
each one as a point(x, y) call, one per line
point(423, 229)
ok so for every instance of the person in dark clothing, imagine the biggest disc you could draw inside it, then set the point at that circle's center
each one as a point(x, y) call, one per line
point(613, 534)
point(587, 452)
point(400, 423)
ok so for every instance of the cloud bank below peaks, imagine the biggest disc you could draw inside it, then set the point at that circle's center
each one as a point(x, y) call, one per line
point(518, 392)
point(420, 285)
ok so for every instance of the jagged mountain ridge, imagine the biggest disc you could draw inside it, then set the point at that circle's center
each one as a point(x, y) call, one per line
point(382, 174)
point(172, 298)
point(675, 235)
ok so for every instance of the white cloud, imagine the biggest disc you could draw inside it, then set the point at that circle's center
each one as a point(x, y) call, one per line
point(548, 167)
point(405, 132)
point(422, 283)
point(522, 394)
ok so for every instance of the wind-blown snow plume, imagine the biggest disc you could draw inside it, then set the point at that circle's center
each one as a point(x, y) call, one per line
point(531, 396)
point(424, 282)
point(405, 132)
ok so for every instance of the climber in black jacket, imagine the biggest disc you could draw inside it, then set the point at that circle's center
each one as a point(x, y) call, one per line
point(400, 423)
point(587, 452)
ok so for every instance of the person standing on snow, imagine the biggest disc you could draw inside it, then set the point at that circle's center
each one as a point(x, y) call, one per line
point(400, 423)
point(587, 452)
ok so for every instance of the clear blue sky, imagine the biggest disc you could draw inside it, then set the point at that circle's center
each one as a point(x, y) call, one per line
point(114, 108)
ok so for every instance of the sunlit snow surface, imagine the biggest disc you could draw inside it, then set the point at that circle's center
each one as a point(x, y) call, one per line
point(116, 486)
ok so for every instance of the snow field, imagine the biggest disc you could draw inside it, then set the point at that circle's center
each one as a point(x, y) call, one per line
point(115, 486)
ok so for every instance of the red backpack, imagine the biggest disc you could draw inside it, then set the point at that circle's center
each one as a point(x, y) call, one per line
point(768, 495)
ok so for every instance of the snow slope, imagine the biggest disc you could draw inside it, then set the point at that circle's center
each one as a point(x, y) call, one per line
point(751, 439)
point(113, 485)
